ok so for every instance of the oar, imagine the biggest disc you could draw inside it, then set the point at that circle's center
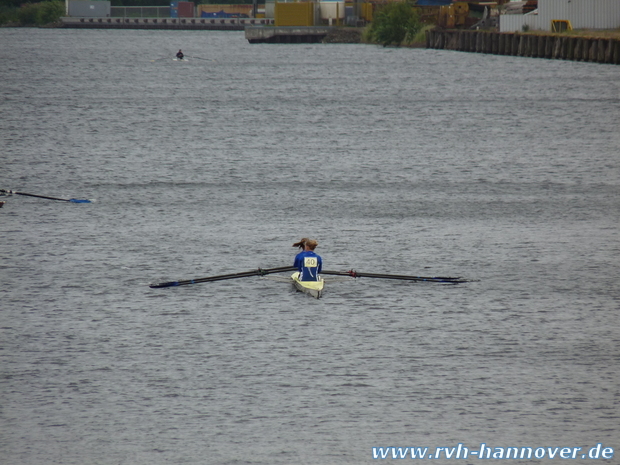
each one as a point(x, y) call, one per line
point(356, 274)
point(44, 197)
point(245, 274)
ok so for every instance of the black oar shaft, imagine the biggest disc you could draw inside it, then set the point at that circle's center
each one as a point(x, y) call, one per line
point(244, 274)
point(39, 196)
point(356, 274)
point(44, 197)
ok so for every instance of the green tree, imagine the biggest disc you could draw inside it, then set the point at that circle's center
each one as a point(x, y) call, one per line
point(40, 14)
point(27, 14)
point(8, 14)
point(395, 23)
point(50, 12)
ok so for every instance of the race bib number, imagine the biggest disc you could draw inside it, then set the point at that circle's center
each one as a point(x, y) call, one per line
point(311, 262)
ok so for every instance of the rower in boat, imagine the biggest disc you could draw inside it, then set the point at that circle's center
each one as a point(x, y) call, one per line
point(309, 264)
point(180, 55)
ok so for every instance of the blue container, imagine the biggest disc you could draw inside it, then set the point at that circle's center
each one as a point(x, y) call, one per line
point(174, 9)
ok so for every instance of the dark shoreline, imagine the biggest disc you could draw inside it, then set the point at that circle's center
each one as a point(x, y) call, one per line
point(605, 50)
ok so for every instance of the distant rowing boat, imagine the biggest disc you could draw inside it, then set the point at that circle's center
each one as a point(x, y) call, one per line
point(313, 288)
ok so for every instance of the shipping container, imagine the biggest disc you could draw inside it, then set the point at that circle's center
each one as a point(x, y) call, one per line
point(223, 10)
point(332, 9)
point(294, 14)
point(186, 9)
point(89, 9)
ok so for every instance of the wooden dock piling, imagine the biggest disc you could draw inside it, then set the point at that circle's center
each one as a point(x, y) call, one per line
point(550, 46)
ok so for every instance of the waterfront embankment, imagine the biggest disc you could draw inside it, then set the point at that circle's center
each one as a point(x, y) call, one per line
point(221, 24)
point(551, 46)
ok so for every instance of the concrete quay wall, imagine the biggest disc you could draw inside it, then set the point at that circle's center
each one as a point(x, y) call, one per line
point(549, 46)
point(286, 34)
point(229, 24)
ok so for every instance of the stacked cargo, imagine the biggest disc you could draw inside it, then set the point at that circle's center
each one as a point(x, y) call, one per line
point(181, 9)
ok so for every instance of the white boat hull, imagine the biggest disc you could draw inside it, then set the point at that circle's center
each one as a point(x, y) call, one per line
point(313, 288)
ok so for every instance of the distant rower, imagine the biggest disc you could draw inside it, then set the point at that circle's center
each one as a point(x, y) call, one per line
point(180, 55)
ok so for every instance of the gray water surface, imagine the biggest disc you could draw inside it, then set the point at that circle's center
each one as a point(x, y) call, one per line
point(502, 170)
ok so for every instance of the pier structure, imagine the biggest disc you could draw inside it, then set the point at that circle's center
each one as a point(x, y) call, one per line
point(286, 34)
point(551, 46)
point(221, 24)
